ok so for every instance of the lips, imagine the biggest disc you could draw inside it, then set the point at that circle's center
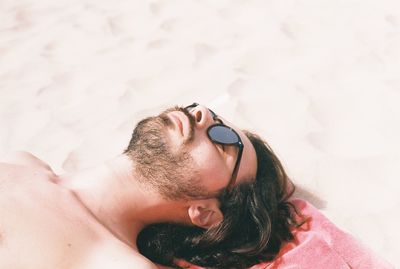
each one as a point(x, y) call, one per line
point(176, 118)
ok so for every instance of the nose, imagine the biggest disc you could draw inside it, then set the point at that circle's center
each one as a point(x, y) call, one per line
point(202, 116)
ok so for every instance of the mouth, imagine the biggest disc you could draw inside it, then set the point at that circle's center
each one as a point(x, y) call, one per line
point(178, 118)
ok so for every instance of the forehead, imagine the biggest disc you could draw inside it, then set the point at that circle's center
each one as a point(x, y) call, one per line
point(248, 165)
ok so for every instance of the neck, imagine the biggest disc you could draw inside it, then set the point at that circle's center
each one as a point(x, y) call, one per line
point(114, 197)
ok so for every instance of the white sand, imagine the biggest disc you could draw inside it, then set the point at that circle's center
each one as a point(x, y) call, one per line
point(319, 79)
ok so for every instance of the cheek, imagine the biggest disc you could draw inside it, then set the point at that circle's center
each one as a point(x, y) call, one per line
point(211, 167)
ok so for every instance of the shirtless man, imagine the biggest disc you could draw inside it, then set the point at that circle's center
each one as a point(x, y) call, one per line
point(172, 171)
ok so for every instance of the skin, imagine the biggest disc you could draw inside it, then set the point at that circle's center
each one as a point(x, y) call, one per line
point(91, 219)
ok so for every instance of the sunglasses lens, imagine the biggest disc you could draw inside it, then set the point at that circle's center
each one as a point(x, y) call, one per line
point(222, 134)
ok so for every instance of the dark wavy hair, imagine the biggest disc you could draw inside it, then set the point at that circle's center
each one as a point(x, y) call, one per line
point(258, 219)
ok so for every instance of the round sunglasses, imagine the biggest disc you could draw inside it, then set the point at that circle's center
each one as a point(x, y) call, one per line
point(222, 134)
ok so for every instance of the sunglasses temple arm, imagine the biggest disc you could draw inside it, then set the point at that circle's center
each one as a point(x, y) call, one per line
point(236, 170)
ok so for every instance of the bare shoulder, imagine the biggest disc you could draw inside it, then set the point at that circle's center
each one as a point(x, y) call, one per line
point(25, 159)
point(22, 166)
point(139, 261)
point(123, 261)
point(144, 264)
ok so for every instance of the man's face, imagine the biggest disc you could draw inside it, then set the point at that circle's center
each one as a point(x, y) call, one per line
point(173, 149)
point(215, 162)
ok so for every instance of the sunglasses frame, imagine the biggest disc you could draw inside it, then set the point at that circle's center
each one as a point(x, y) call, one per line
point(238, 143)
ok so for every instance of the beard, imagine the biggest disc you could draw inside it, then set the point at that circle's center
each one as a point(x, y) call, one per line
point(171, 173)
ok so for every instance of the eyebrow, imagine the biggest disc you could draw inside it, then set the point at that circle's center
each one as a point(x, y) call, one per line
point(219, 120)
point(215, 116)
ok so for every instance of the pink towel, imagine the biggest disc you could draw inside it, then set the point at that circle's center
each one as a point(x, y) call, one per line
point(320, 244)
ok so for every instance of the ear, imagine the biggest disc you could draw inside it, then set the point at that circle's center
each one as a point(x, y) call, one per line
point(205, 213)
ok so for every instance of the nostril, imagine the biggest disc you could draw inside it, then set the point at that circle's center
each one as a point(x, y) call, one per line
point(198, 116)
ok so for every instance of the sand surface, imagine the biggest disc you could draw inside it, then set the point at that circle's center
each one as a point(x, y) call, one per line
point(318, 79)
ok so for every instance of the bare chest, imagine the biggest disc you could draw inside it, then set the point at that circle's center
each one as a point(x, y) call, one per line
point(43, 226)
